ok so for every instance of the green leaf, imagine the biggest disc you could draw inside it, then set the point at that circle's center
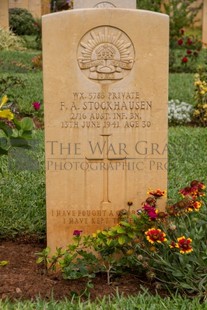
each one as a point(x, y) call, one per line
point(131, 235)
point(20, 142)
point(177, 273)
point(121, 240)
point(126, 224)
point(109, 242)
point(6, 129)
point(186, 286)
point(4, 145)
point(121, 230)
point(40, 260)
point(26, 124)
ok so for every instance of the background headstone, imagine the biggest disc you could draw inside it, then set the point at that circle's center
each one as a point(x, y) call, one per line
point(204, 24)
point(4, 14)
point(105, 94)
point(129, 4)
point(36, 7)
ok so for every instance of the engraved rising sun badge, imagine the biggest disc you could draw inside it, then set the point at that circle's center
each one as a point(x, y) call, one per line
point(105, 54)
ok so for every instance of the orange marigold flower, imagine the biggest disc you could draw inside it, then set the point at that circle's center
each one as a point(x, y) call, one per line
point(195, 206)
point(157, 193)
point(155, 235)
point(194, 190)
point(184, 245)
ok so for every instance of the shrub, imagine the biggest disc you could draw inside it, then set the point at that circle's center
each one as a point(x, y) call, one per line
point(182, 15)
point(184, 53)
point(150, 5)
point(9, 41)
point(38, 39)
point(21, 22)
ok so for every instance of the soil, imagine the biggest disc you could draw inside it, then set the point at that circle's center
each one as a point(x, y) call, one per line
point(23, 279)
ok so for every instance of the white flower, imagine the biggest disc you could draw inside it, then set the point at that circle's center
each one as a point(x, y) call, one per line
point(179, 112)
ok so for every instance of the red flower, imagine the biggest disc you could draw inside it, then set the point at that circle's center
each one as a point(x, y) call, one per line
point(194, 190)
point(77, 232)
point(155, 235)
point(151, 211)
point(198, 184)
point(180, 42)
point(184, 244)
point(189, 52)
point(36, 105)
point(185, 59)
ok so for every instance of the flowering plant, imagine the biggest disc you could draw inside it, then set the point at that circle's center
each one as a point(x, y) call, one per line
point(200, 111)
point(169, 246)
point(13, 132)
point(179, 113)
point(184, 53)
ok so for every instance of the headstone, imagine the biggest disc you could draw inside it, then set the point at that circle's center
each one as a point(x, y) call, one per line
point(4, 14)
point(79, 4)
point(105, 96)
point(204, 24)
point(36, 7)
point(23, 4)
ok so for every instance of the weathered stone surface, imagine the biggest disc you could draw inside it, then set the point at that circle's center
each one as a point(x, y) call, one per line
point(79, 4)
point(4, 14)
point(105, 94)
point(204, 24)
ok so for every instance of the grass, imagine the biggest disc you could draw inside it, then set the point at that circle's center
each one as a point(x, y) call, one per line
point(143, 301)
point(187, 153)
point(184, 93)
point(19, 64)
point(22, 197)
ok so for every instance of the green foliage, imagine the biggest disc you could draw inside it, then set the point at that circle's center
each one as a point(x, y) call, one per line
point(22, 196)
point(12, 62)
point(185, 53)
point(21, 22)
point(9, 41)
point(184, 79)
point(8, 83)
point(59, 5)
point(15, 136)
point(28, 88)
point(150, 5)
point(182, 15)
point(142, 301)
point(38, 39)
point(169, 246)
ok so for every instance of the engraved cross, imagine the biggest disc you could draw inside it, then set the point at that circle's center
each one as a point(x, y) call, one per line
point(105, 159)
